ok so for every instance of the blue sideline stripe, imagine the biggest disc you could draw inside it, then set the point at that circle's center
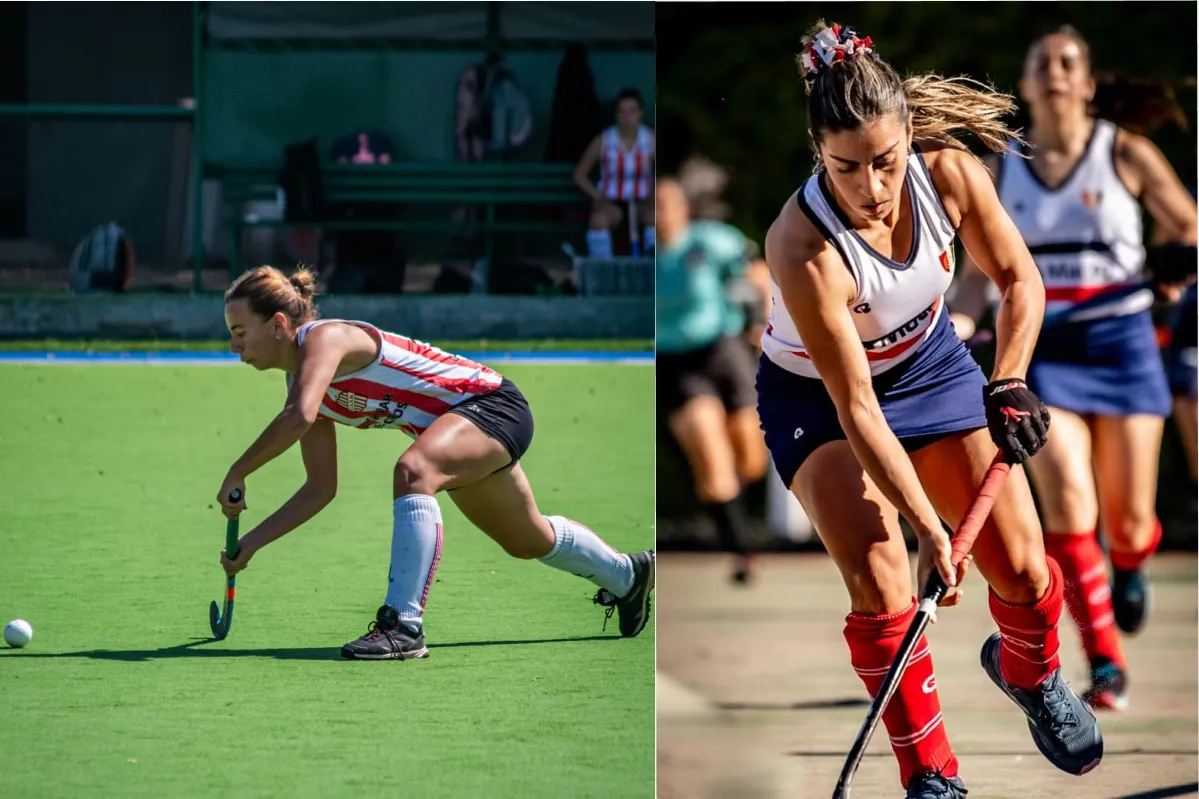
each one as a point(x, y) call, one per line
point(220, 358)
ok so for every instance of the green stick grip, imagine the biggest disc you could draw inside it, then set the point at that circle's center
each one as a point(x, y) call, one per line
point(231, 529)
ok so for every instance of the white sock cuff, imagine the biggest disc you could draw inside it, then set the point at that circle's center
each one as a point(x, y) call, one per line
point(417, 508)
point(599, 243)
point(563, 535)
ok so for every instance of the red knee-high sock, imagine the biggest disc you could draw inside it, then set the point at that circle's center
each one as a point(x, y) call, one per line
point(913, 718)
point(1127, 561)
point(1030, 641)
point(1087, 592)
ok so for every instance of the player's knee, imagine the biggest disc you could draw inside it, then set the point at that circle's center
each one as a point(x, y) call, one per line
point(601, 217)
point(751, 466)
point(879, 587)
point(1135, 525)
point(716, 485)
point(1025, 584)
point(416, 474)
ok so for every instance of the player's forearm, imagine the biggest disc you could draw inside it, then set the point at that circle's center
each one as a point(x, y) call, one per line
point(1017, 326)
point(884, 459)
point(303, 505)
point(280, 435)
point(969, 294)
point(588, 188)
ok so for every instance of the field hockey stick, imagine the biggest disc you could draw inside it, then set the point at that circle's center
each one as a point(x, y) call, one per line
point(934, 591)
point(222, 622)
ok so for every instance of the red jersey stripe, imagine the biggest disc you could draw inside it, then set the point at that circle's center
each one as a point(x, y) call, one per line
point(425, 351)
point(1079, 293)
point(458, 385)
point(377, 391)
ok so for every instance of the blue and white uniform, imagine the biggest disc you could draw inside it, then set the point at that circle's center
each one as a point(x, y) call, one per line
point(1085, 236)
point(927, 383)
point(1181, 355)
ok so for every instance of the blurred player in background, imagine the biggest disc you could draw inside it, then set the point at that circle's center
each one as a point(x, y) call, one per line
point(1182, 361)
point(705, 364)
point(625, 154)
point(1076, 193)
point(873, 408)
point(470, 426)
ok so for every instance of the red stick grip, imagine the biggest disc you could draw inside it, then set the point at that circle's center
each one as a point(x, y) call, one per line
point(980, 508)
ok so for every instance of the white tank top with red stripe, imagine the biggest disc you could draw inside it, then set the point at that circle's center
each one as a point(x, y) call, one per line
point(897, 303)
point(1085, 235)
point(407, 387)
point(626, 172)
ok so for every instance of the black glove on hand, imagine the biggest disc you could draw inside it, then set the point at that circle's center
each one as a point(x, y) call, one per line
point(1017, 419)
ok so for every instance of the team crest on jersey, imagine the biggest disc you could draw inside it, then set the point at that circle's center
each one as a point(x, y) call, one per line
point(351, 402)
point(1090, 199)
point(946, 259)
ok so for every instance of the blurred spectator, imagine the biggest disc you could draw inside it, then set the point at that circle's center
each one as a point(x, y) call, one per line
point(705, 365)
point(625, 154)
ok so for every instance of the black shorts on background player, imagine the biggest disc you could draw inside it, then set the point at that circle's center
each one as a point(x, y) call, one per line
point(725, 370)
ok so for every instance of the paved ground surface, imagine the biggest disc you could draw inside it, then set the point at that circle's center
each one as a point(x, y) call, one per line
point(756, 697)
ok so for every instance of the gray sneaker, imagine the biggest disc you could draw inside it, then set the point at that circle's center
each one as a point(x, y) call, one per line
point(633, 607)
point(1062, 726)
point(387, 639)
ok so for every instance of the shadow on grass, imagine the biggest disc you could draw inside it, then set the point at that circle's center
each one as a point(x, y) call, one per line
point(1185, 789)
point(201, 648)
point(816, 704)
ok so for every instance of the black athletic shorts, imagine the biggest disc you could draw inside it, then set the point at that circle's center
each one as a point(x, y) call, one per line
point(504, 415)
point(725, 369)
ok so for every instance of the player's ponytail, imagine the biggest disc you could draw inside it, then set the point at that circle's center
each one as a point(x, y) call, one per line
point(269, 292)
point(849, 86)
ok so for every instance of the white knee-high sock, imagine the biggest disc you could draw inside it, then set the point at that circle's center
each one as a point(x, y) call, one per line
point(582, 553)
point(415, 552)
point(599, 243)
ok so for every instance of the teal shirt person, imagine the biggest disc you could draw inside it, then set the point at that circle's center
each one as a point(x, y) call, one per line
point(694, 276)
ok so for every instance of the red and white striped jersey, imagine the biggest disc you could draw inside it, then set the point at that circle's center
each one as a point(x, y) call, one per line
point(898, 303)
point(1085, 234)
point(408, 386)
point(626, 173)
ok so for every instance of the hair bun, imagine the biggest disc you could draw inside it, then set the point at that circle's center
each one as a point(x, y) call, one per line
point(303, 280)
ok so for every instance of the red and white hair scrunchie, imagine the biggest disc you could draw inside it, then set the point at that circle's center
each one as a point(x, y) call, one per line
point(832, 45)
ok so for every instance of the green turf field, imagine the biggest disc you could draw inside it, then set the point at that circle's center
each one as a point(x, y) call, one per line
point(110, 548)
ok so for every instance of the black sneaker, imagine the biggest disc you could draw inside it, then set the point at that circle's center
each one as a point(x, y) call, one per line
point(1132, 596)
point(633, 607)
point(1062, 726)
point(934, 786)
point(1109, 686)
point(387, 639)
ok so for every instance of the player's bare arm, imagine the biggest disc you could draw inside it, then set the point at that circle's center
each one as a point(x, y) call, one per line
point(968, 297)
point(318, 447)
point(996, 247)
point(1149, 176)
point(582, 174)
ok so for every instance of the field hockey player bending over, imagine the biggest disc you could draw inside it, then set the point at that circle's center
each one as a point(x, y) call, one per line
point(471, 427)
